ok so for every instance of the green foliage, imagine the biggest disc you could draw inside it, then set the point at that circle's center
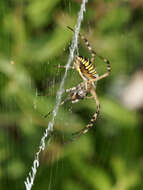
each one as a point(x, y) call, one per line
point(34, 36)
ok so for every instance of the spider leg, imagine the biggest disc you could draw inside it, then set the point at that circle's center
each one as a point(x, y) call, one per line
point(108, 70)
point(65, 100)
point(87, 44)
point(80, 85)
point(89, 48)
point(68, 98)
point(69, 90)
point(93, 119)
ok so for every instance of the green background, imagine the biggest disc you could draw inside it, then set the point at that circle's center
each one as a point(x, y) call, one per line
point(33, 34)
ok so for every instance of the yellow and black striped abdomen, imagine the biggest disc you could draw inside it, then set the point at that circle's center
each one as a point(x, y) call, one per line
point(87, 68)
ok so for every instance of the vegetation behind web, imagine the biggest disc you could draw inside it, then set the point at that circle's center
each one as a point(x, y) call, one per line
point(34, 36)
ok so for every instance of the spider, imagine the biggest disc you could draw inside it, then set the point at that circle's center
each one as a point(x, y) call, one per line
point(87, 72)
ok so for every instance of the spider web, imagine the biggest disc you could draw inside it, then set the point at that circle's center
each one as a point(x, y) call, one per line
point(29, 182)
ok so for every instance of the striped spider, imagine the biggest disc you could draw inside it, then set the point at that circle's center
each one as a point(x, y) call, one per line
point(87, 72)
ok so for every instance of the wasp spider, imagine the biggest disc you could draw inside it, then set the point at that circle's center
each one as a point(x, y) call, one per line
point(88, 73)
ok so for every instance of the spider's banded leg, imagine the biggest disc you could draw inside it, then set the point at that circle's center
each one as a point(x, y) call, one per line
point(80, 85)
point(108, 70)
point(89, 48)
point(87, 45)
point(93, 119)
point(68, 98)
point(71, 89)
point(68, 91)
point(65, 100)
